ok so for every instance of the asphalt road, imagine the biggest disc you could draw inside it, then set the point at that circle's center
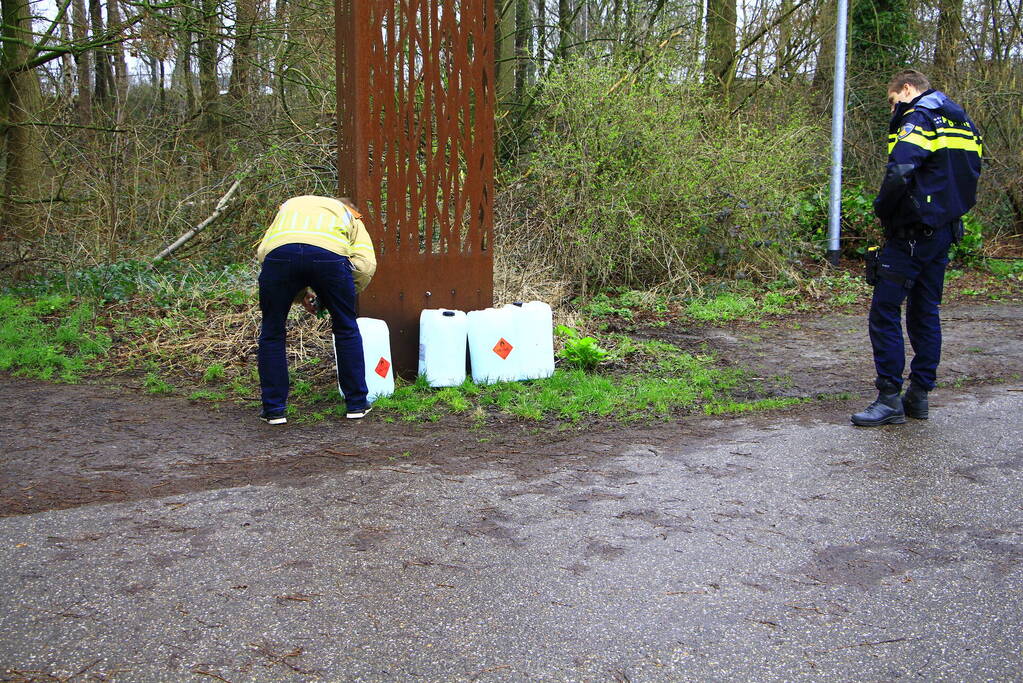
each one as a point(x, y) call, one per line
point(776, 547)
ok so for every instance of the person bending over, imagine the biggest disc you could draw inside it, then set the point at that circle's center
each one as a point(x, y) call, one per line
point(319, 243)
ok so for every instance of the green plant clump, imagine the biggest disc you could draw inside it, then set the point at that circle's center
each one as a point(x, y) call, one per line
point(969, 250)
point(214, 373)
point(583, 353)
point(155, 384)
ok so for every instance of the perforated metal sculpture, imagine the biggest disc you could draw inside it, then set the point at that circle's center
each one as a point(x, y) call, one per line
point(416, 151)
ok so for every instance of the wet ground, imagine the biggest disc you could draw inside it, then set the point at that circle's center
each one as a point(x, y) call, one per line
point(151, 539)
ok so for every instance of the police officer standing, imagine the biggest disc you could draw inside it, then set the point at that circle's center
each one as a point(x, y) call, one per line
point(930, 181)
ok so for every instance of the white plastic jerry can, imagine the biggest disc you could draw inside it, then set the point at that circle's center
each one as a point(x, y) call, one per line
point(443, 335)
point(376, 352)
point(535, 322)
point(495, 346)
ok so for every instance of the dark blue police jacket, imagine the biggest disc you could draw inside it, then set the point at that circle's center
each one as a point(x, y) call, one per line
point(934, 153)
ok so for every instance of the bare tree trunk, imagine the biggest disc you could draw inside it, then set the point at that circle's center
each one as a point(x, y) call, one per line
point(985, 12)
point(117, 52)
point(207, 54)
point(67, 63)
point(154, 76)
point(209, 89)
point(240, 87)
point(163, 86)
point(565, 16)
point(522, 33)
point(824, 73)
point(278, 52)
point(20, 100)
point(697, 42)
point(182, 76)
point(104, 74)
point(79, 32)
point(541, 38)
point(782, 57)
point(949, 37)
point(719, 70)
point(505, 66)
point(629, 33)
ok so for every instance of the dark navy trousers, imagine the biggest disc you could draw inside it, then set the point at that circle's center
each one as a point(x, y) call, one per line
point(286, 270)
point(910, 270)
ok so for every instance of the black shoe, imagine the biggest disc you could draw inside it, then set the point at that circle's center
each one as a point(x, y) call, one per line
point(886, 409)
point(358, 414)
point(914, 402)
point(273, 418)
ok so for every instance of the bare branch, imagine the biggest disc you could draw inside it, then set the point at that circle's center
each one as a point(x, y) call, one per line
point(217, 211)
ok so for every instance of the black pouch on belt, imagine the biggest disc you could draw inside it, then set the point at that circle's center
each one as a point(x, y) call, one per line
point(870, 260)
point(958, 231)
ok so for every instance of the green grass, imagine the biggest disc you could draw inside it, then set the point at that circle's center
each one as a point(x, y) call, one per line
point(733, 407)
point(33, 345)
point(742, 302)
point(844, 288)
point(213, 373)
point(418, 401)
point(155, 384)
point(776, 303)
point(722, 308)
point(666, 381)
point(207, 395)
point(1005, 268)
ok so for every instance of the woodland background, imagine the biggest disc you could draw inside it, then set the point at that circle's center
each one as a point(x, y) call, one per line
point(641, 143)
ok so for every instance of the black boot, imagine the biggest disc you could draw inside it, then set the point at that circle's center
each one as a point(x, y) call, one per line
point(914, 401)
point(887, 409)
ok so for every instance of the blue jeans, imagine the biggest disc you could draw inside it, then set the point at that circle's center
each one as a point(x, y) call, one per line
point(286, 270)
point(914, 272)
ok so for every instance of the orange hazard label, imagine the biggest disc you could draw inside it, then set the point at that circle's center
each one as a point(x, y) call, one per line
point(503, 348)
point(383, 365)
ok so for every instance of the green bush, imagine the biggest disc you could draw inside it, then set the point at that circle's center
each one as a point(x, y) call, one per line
point(637, 180)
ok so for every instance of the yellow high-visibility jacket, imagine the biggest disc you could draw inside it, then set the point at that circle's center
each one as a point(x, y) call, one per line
point(326, 223)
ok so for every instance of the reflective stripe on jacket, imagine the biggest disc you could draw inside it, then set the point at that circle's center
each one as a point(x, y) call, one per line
point(934, 160)
point(327, 223)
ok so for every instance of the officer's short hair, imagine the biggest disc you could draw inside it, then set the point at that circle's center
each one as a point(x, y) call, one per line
point(910, 76)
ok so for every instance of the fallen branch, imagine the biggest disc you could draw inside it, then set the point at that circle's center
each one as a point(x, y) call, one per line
point(217, 211)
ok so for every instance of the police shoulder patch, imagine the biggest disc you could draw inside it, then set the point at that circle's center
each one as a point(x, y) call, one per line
point(907, 128)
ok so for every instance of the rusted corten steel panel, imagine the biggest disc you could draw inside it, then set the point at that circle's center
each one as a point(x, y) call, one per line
point(416, 152)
